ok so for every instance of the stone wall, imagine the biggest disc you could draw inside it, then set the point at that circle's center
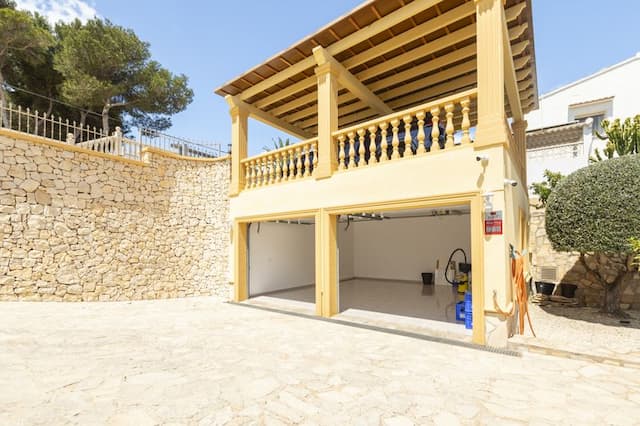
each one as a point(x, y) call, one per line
point(570, 270)
point(82, 226)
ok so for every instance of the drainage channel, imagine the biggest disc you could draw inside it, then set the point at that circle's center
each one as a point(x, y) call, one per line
point(419, 336)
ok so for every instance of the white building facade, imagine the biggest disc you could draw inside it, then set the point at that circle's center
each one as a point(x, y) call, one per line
point(561, 131)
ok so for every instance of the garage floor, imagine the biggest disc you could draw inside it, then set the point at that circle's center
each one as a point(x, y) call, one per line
point(409, 299)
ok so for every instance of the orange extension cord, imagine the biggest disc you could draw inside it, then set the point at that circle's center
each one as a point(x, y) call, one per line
point(520, 290)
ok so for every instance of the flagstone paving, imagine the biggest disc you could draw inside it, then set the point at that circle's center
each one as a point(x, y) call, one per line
point(200, 361)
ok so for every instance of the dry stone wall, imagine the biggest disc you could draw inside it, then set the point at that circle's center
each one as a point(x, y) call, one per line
point(82, 227)
point(570, 270)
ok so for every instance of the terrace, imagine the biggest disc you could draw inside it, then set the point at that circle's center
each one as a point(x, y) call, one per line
point(358, 92)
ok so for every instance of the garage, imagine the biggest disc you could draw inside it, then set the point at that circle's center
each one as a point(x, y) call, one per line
point(396, 263)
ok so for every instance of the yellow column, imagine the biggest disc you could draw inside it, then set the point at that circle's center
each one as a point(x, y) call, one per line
point(239, 124)
point(327, 119)
point(326, 264)
point(240, 262)
point(477, 269)
point(491, 92)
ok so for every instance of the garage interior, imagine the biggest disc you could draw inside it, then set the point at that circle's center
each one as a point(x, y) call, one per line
point(382, 256)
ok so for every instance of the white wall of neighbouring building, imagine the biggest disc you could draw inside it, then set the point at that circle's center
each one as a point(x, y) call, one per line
point(620, 81)
point(401, 249)
point(611, 93)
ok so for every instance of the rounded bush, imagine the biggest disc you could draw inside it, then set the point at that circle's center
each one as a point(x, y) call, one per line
point(597, 208)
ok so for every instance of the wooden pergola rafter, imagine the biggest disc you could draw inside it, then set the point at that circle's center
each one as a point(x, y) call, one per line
point(390, 55)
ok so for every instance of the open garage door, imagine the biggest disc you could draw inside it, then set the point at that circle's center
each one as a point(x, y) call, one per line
point(385, 255)
point(282, 261)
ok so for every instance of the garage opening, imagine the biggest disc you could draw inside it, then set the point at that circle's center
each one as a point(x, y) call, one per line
point(383, 257)
point(281, 262)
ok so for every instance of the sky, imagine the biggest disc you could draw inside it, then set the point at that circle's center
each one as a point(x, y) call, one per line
point(214, 41)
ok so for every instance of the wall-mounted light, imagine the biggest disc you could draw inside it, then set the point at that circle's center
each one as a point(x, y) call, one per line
point(511, 182)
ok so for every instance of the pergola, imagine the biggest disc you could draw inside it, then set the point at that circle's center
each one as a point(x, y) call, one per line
point(389, 55)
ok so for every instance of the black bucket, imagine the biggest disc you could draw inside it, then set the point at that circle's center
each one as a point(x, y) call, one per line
point(427, 278)
point(568, 290)
point(545, 288)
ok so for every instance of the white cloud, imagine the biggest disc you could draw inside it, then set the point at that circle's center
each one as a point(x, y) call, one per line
point(60, 10)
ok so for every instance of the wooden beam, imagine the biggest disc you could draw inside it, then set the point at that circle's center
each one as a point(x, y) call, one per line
point(421, 51)
point(421, 96)
point(428, 27)
point(515, 11)
point(518, 48)
point(271, 120)
point(355, 110)
point(339, 46)
point(398, 41)
point(521, 75)
point(402, 39)
point(350, 82)
point(510, 78)
point(521, 61)
point(429, 80)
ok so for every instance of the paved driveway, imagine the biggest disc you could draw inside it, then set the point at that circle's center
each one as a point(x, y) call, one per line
point(200, 361)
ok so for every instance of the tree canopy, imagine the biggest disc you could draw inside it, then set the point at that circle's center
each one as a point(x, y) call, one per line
point(22, 41)
point(106, 67)
point(96, 73)
point(544, 189)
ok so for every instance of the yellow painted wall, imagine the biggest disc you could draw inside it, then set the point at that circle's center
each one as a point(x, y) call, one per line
point(447, 172)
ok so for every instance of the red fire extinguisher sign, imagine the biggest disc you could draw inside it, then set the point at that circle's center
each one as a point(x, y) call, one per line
point(493, 223)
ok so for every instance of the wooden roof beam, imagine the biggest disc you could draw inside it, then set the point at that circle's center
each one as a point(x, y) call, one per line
point(350, 82)
point(510, 78)
point(402, 39)
point(441, 43)
point(354, 111)
point(382, 24)
point(385, 66)
point(269, 119)
point(432, 25)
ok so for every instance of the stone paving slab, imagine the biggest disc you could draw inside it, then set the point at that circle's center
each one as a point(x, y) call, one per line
point(582, 332)
point(203, 362)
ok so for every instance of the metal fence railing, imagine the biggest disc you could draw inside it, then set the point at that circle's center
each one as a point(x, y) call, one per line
point(47, 126)
point(181, 146)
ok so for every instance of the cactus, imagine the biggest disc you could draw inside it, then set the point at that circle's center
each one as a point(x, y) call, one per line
point(623, 138)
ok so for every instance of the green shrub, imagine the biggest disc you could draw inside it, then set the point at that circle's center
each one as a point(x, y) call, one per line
point(596, 211)
point(597, 208)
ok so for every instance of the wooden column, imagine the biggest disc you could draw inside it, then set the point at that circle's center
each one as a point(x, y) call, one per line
point(491, 76)
point(326, 264)
point(327, 119)
point(240, 271)
point(239, 129)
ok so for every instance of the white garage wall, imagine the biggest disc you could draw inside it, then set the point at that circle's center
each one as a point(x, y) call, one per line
point(345, 245)
point(280, 256)
point(403, 248)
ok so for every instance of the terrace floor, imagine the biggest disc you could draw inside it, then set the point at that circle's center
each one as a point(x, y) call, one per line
point(200, 361)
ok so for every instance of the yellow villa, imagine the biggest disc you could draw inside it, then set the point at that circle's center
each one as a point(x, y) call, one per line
point(409, 116)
